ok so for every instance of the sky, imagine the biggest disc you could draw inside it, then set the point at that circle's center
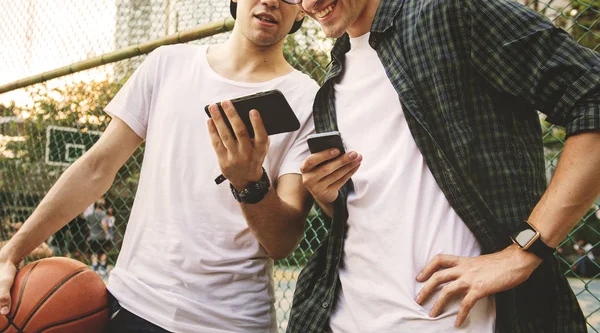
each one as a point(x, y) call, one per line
point(41, 35)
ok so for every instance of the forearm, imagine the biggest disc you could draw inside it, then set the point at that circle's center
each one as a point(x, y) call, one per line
point(42, 251)
point(277, 226)
point(80, 185)
point(572, 191)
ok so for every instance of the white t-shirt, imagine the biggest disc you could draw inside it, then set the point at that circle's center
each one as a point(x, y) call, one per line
point(399, 219)
point(189, 262)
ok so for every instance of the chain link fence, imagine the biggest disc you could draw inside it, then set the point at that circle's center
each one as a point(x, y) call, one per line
point(45, 126)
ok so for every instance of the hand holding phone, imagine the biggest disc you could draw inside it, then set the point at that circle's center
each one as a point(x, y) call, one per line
point(324, 174)
point(275, 111)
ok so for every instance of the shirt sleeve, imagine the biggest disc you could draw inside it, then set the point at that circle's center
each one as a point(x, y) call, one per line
point(133, 102)
point(519, 52)
point(299, 151)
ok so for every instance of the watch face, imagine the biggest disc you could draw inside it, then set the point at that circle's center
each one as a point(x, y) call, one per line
point(525, 237)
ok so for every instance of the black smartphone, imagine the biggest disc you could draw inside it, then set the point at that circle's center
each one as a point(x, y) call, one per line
point(275, 111)
point(326, 140)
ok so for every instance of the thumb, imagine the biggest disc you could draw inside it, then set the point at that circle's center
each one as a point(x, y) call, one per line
point(5, 302)
point(6, 282)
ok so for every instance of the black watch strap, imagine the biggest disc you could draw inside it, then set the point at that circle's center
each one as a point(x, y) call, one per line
point(540, 249)
point(255, 192)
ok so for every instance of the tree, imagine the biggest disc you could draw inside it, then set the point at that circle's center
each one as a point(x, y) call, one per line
point(25, 175)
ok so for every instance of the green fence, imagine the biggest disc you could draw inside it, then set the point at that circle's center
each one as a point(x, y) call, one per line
point(44, 127)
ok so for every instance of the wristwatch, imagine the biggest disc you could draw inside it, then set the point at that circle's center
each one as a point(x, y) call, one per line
point(528, 238)
point(255, 192)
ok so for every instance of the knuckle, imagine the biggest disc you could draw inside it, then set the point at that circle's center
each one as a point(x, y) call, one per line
point(5, 300)
point(467, 303)
point(478, 285)
point(241, 132)
point(446, 290)
point(307, 181)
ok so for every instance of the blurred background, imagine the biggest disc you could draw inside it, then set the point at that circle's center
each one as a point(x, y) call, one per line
point(61, 62)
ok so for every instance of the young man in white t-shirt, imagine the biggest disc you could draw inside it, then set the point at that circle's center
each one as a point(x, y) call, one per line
point(436, 102)
point(194, 259)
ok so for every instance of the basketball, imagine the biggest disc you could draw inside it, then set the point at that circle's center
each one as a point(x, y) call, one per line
point(57, 295)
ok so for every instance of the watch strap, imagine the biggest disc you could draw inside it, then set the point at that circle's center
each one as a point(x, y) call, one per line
point(540, 249)
point(254, 192)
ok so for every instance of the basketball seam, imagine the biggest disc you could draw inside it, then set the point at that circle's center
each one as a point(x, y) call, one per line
point(10, 319)
point(58, 286)
point(19, 330)
point(74, 319)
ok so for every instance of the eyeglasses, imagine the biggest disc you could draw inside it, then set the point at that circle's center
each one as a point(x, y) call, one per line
point(292, 2)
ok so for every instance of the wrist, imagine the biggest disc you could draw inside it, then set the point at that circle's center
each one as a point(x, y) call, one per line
point(326, 208)
point(242, 184)
point(8, 255)
point(525, 260)
point(253, 192)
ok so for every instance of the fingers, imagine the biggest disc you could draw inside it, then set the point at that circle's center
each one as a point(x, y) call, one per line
point(313, 160)
point(215, 139)
point(448, 292)
point(440, 261)
point(434, 282)
point(465, 307)
point(222, 129)
point(237, 124)
point(346, 173)
point(324, 175)
point(261, 138)
point(6, 283)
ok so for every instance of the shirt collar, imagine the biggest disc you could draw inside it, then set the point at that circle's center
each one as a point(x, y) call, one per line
point(385, 15)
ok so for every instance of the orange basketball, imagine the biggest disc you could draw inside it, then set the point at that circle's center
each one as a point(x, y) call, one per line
point(57, 295)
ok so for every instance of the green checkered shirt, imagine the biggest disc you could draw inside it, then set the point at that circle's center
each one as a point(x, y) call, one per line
point(470, 75)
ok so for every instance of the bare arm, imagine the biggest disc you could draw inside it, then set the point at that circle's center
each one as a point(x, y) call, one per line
point(82, 183)
point(277, 221)
point(571, 192)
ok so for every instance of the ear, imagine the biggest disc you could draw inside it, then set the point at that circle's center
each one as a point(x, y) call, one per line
point(300, 15)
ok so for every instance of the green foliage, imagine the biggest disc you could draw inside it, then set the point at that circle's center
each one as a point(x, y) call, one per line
point(25, 174)
point(308, 51)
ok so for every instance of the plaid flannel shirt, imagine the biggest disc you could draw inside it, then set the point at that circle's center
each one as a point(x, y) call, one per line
point(470, 75)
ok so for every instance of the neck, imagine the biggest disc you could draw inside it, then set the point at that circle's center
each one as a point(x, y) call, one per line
point(363, 23)
point(241, 60)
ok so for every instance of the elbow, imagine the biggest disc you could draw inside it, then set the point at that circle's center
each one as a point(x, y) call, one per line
point(280, 254)
point(281, 251)
point(99, 172)
point(286, 245)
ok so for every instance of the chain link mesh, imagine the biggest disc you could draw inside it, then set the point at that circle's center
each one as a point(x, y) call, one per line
point(45, 127)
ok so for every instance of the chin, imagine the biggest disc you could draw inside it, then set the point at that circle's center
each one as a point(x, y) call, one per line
point(333, 32)
point(332, 29)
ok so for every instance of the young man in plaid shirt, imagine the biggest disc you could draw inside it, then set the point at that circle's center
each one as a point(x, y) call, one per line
point(447, 225)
